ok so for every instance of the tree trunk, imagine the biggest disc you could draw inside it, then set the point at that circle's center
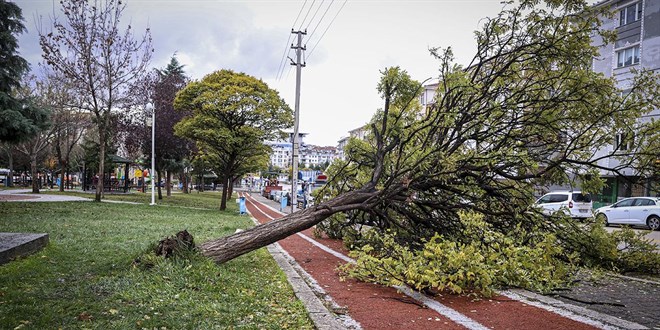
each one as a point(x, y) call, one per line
point(35, 177)
point(168, 183)
point(160, 193)
point(184, 182)
point(62, 174)
point(10, 175)
point(225, 190)
point(101, 169)
point(232, 246)
point(230, 191)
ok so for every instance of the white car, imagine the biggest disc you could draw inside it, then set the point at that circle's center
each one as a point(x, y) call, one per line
point(643, 211)
point(573, 203)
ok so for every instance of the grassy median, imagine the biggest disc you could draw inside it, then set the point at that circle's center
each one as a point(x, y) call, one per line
point(88, 276)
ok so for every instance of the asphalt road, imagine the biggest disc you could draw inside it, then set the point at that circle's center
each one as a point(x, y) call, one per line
point(653, 235)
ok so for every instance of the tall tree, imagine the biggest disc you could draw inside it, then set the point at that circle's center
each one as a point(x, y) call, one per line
point(528, 109)
point(171, 150)
point(18, 120)
point(233, 114)
point(38, 94)
point(101, 59)
point(69, 122)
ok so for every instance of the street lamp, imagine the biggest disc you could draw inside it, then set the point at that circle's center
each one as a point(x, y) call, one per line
point(150, 108)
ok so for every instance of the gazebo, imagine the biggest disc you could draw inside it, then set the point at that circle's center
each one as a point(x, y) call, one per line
point(121, 160)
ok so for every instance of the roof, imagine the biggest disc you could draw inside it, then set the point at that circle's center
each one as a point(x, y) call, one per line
point(119, 159)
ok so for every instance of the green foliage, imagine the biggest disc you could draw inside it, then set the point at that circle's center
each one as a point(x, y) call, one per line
point(528, 111)
point(20, 118)
point(621, 250)
point(232, 115)
point(479, 263)
point(171, 150)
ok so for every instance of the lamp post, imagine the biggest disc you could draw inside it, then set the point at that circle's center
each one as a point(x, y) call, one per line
point(150, 107)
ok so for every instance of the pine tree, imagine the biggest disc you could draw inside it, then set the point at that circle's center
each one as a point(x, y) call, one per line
point(19, 119)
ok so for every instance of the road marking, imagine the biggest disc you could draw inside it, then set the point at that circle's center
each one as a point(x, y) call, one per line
point(572, 312)
point(327, 249)
point(428, 302)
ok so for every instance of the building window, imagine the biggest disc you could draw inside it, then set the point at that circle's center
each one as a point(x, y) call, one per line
point(623, 142)
point(629, 14)
point(628, 56)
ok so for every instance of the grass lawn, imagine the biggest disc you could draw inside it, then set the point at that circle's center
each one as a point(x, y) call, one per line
point(87, 278)
point(207, 199)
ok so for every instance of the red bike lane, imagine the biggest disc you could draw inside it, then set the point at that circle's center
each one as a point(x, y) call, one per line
point(380, 307)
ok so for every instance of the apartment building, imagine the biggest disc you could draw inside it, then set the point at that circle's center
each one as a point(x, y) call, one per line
point(309, 155)
point(358, 133)
point(637, 23)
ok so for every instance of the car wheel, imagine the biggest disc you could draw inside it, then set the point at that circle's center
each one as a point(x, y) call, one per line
point(603, 218)
point(653, 222)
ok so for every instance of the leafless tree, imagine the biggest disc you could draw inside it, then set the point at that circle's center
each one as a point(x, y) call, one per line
point(101, 59)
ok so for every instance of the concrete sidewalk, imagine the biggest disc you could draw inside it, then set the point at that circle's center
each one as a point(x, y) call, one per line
point(25, 195)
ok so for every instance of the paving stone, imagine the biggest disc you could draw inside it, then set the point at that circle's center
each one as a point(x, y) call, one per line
point(15, 245)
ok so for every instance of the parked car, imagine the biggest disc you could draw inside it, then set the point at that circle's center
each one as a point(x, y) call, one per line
point(644, 211)
point(573, 203)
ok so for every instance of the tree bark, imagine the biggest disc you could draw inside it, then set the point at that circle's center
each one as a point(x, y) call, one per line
point(35, 176)
point(230, 191)
point(225, 190)
point(232, 246)
point(168, 183)
point(184, 182)
point(10, 175)
point(101, 174)
point(160, 193)
point(63, 167)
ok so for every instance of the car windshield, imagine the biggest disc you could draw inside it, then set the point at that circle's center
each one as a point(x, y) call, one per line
point(579, 198)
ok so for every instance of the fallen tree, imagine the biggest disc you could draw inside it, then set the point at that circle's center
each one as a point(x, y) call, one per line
point(527, 111)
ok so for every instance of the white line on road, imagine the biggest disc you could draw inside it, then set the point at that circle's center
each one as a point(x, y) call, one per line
point(572, 312)
point(428, 302)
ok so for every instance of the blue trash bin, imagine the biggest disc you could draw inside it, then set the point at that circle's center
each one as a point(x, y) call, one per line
point(241, 205)
point(283, 203)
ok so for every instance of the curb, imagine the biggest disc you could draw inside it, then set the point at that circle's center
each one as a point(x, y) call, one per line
point(322, 317)
point(573, 312)
point(298, 278)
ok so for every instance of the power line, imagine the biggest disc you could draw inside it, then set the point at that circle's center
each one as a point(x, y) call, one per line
point(307, 14)
point(297, 17)
point(326, 29)
point(320, 20)
point(314, 16)
point(280, 70)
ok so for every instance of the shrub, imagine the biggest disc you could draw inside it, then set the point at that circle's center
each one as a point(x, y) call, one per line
point(481, 262)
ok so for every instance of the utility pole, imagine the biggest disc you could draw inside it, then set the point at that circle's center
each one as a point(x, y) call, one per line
point(294, 161)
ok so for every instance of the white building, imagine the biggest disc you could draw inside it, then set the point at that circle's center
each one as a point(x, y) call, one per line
point(309, 155)
point(358, 133)
point(637, 23)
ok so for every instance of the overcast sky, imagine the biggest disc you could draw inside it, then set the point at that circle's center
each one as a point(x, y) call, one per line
point(338, 91)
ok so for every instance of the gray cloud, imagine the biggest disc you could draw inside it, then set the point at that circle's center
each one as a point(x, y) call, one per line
point(206, 36)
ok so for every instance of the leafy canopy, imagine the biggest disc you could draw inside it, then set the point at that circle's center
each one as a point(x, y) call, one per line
point(527, 111)
point(232, 115)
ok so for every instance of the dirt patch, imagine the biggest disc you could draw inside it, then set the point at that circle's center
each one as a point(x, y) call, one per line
point(16, 197)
